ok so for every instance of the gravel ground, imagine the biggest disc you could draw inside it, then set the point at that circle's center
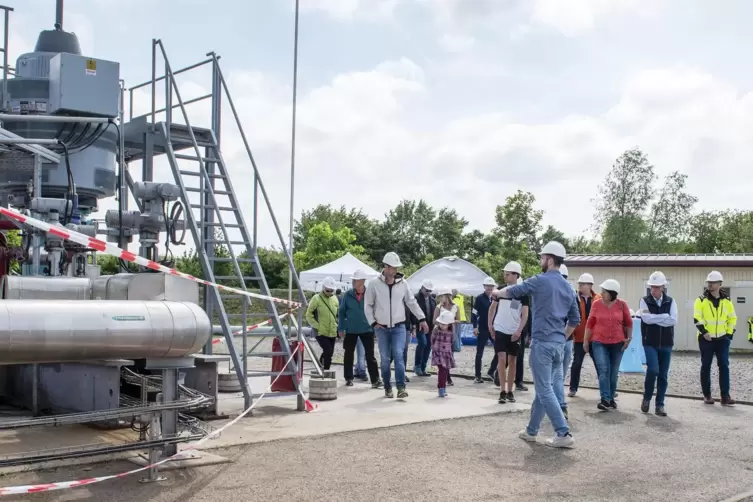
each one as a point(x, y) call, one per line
point(619, 456)
point(684, 377)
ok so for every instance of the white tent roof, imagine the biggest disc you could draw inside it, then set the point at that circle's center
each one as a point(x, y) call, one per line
point(341, 270)
point(450, 272)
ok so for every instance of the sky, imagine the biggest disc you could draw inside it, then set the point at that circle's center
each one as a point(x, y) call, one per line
point(459, 102)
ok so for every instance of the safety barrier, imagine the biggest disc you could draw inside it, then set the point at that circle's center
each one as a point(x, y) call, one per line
point(62, 485)
point(112, 250)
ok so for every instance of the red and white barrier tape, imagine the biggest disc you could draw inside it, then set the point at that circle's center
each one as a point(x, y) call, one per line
point(248, 328)
point(62, 485)
point(112, 250)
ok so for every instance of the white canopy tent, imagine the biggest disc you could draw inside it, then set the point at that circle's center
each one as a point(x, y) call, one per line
point(450, 272)
point(341, 270)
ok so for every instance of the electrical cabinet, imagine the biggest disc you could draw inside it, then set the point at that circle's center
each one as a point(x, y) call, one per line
point(83, 86)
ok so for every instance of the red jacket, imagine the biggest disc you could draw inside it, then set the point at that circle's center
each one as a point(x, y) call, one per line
point(580, 331)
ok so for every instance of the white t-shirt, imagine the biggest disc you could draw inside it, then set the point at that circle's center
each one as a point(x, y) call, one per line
point(507, 316)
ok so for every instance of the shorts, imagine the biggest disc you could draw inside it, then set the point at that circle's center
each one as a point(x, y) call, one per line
point(504, 343)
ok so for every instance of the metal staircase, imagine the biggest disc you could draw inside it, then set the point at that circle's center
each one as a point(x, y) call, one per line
point(214, 217)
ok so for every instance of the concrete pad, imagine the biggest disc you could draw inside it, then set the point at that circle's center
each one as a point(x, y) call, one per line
point(356, 408)
point(194, 459)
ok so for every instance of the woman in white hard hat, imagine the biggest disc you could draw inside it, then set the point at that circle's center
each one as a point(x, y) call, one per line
point(609, 328)
point(322, 315)
point(715, 318)
point(586, 298)
point(355, 329)
point(445, 304)
point(658, 314)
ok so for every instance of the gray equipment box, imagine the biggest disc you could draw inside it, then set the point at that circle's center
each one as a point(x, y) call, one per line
point(84, 86)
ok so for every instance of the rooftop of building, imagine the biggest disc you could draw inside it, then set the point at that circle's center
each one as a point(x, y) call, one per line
point(665, 260)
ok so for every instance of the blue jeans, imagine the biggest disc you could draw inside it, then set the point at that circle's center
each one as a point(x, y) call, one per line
point(718, 347)
point(545, 359)
point(559, 384)
point(423, 350)
point(608, 357)
point(360, 359)
point(391, 346)
point(657, 368)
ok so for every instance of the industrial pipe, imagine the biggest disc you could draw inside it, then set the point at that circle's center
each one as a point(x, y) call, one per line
point(44, 331)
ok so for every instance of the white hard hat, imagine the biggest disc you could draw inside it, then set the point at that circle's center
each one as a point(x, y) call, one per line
point(520, 280)
point(427, 285)
point(443, 291)
point(611, 285)
point(328, 283)
point(446, 317)
point(392, 259)
point(585, 278)
point(359, 275)
point(563, 270)
point(554, 248)
point(513, 266)
point(714, 276)
point(657, 279)
point(489, 281)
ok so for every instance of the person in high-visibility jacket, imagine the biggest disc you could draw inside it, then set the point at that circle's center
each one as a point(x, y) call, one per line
point(714, 316)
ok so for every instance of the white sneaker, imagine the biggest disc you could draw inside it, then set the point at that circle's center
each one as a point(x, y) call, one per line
point(526, 437)
point(561, 441)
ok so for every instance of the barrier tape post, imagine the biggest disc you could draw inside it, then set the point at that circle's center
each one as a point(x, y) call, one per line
point(112, 250)
point(62, 485)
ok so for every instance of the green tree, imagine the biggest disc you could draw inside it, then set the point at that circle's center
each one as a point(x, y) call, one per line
point(325, 245)
point(407, 230)
point(624, 196)
point(446, 238)
point(518, 226)
point(670, 216)
point(366, 230)
point(553, 234)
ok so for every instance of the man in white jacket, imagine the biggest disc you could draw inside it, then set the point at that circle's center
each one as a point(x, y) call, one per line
point(386, 298)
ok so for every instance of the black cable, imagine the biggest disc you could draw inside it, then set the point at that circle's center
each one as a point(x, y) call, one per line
point(93, 138)
point(177, 211)
point(71, 184)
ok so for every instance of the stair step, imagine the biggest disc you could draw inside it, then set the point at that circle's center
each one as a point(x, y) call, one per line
point(194, 158)
point(268, 354)
point(200, 175)
point(199, 190)
point(226, 225)
point(220, 208)
point(230, 260)
point(235, 278)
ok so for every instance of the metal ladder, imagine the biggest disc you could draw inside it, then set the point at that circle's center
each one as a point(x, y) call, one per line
point(215, 222)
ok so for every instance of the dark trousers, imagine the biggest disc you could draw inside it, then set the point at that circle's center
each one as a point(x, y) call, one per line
point(481, 340)
point(327, 344)
point(718, 347)
point(423, 351)
point(657, 373)
point(349, 345)
point(443, 376)
point(519, 364)
point(578, 356)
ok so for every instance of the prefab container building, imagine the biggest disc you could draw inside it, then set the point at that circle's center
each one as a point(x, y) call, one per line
point(686, 276)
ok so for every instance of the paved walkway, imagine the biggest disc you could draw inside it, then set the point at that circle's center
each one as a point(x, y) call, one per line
point(698, 453)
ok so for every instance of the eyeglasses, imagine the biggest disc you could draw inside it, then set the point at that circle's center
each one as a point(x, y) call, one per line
point(329, 291)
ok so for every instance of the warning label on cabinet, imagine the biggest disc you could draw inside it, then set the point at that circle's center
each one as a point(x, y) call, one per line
point(91, 67)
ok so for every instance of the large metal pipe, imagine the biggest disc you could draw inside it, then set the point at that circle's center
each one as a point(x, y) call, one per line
point(43, 331)
point(29, 287)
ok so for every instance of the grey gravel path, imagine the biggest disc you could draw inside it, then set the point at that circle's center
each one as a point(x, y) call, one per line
point(619, 456)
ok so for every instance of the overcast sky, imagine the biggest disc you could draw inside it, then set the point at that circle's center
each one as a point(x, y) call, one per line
point(460, 102)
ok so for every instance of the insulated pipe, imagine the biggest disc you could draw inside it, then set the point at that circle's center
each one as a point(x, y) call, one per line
point(44, 331)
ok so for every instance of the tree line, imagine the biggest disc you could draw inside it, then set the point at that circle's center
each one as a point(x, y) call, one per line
point(634, 212)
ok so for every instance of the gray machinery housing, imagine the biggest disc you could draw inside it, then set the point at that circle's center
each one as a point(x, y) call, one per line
point(56, 79)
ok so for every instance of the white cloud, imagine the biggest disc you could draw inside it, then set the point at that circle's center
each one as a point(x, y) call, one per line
point(456, 42)
point(348, 9)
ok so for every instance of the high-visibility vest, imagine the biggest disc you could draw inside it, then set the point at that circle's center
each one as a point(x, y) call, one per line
point(750, 329)
point(719, 321)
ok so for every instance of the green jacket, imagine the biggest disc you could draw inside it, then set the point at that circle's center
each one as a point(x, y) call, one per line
point(325, 322)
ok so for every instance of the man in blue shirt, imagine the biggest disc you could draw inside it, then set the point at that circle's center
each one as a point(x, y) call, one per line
point(553, 303)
